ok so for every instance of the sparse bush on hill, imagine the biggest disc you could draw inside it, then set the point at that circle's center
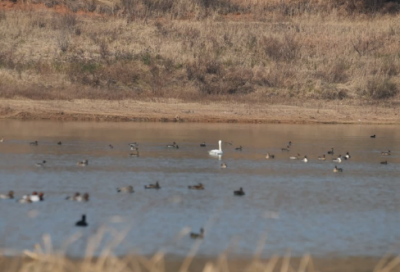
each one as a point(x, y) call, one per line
point(192, 49)
point(381, 88)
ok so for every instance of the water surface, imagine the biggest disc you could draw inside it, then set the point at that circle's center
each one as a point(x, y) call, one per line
point(302, 206)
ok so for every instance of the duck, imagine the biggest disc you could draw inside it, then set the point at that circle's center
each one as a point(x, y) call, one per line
point(40, 164)
point(82, 198)
point(203, 144)
point(59, 143)
point(305, 159)
point(384, 162)
point(135, 153)
point(200, 186)
point(347, 156)
point(373, 136)
point(295, 157)
point(322, 158)
point(238, 148)
point(83, 163)
point(126, 189)
point(287, 148)
point(25, 199)
point(82, 222)
point(10, 195)
point(289, 143)
point(110, 146)
point(34, 143)
point(35, 197)
point(216, 152)
point(223, 165)
point(386, 153)
point(197, 235)
point(133, 144)
point(268, 156)
point(331, 152)
point(173, 145)
point(239, 192)
point(336, 169)
point(74, 197)
point(153, 186)
point(338, 159)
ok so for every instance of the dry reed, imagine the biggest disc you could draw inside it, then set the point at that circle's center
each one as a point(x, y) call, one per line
point(193, 50)
point(44, 258)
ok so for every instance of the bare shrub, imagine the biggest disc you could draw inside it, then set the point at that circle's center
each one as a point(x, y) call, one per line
point(160, 28)
point(335, 72)
point(91, 6)
point(239, 81)
point(276, 75)
point(390, 67)
point(86, 72)
point(146, 58)
point(272, 46)
point(332, 93)
point(2, 15)
point(67, 21)
point(365, 45)
point(381, 88)
point(78, 31)
point(130, 8)
point(7, 59)
point(39, 22)
point(198, 70)
point(104, 51)
point(63, 41)
point(222, 6)
point(212, 78)
point(287, 49)
point(391, 8)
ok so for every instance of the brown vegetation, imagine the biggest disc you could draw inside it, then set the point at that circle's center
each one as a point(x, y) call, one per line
point(34, 262)
point(222, 49)
point(46, 258)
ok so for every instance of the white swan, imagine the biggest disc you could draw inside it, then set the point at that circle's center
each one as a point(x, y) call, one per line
point(216, 152)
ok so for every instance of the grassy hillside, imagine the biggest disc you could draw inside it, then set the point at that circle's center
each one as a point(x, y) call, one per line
point(250, 49)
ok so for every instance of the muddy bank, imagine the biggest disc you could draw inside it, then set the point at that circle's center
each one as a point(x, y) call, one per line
point(206, 112)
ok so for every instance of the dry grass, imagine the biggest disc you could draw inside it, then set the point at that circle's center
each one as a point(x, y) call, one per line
point(45, 258)
point(194, 50)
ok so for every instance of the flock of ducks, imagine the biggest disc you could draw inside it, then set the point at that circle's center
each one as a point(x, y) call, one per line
point(331, 152)
point(34, 197)
point(37, 197)
point(134, 147)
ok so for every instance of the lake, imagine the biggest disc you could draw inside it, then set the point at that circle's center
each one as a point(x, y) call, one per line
point(300, 206)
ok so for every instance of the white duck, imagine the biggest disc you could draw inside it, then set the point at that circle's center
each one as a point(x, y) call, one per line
point(338, 159)
point(216, 152)
point(295, 157)
point(35, 197)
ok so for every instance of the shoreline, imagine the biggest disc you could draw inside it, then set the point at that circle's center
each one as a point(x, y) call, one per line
point(170, 110)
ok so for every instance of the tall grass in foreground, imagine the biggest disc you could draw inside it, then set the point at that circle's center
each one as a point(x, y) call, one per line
point(46, 259)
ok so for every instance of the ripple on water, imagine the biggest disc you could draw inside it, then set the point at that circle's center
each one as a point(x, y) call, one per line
point(302, 206)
